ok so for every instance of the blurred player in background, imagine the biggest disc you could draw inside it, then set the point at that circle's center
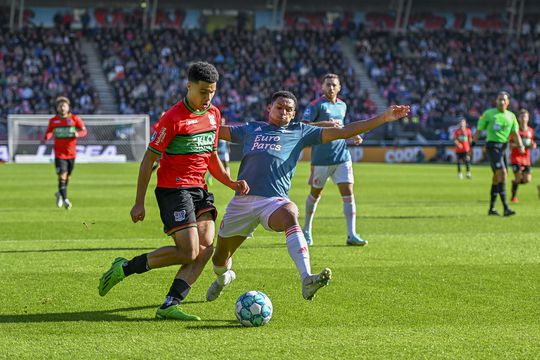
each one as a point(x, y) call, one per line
point(521, 163)
point(499, 124)
point(66, 128)
point(186, 139)
point(462, 142)
point(331, 159)
point(270, 152)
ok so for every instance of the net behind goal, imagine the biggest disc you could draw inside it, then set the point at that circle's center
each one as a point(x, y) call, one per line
point(111, 138)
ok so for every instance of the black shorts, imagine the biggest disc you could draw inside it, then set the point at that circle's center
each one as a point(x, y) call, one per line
point(64, 165)
point(462, 156)
point(496, 153)
point(180, 208)
point(521, 168)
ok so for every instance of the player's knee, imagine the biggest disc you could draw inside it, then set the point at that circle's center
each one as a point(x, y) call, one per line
point(205, 253)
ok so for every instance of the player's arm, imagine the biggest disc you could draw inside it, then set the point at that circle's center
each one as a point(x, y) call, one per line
point(81, 129)
point(518, 141)
point(456, 141)
point(393, 113)
point(49, 133)
point(330, 123)
point(145, 173)
point(215, 166)
point(224, 134)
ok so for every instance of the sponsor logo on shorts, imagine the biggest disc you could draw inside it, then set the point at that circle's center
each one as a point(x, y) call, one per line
point(179, 216)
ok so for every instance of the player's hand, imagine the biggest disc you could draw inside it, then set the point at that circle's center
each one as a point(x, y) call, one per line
point(522, 149)
point(356, 140)
point(137, 213)
point(241, 186)
point(459, 146)
point(396, 112)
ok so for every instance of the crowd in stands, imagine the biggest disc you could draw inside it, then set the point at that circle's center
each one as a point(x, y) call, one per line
point(36, 66)
point(148, 68)
point(446, 74)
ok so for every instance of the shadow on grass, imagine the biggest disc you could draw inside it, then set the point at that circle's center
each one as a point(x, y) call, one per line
point(74, 250)
point(96, 316)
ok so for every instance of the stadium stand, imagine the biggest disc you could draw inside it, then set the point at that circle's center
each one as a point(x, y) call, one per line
point(37, 65)
point(148, 73)
point(444, 74)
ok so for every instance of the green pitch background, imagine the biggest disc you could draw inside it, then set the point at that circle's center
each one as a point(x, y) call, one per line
point(439, 279)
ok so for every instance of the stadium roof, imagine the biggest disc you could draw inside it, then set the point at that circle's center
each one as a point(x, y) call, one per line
point(299, 5)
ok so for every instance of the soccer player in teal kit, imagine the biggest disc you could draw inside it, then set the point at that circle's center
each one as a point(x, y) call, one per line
point(331, 159)
point(270, 153)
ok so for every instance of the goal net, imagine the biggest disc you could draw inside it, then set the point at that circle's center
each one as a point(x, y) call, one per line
point(110, 138)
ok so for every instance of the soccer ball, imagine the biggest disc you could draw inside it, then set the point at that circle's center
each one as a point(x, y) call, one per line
point(253, 308)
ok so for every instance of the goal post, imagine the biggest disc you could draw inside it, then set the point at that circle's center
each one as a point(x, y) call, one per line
point(110, 138)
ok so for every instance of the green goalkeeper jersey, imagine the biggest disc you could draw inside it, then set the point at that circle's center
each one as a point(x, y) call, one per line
point(499, 125)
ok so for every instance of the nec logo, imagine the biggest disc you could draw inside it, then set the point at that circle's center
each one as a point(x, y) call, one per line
point(191, 122)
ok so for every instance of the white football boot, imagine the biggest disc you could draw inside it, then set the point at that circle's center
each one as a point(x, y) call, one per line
point(216, 288)
point(312, 283)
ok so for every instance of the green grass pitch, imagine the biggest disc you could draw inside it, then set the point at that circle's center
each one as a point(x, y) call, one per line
point(439, 279)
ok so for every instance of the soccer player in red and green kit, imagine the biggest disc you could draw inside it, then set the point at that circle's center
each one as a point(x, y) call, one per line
point(462, 142)
point(499, 124)
point(521, 163)
point(186, 139)
point(66, 128)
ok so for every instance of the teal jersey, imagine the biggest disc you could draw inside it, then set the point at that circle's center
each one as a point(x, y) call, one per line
point(334, 152)
point(270, 154)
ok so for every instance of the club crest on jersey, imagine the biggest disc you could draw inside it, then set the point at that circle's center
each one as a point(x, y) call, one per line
point(212, 119)
point(153, 137)
point(179, 216)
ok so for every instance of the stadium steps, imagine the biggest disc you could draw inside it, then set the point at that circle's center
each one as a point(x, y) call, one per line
point(107, 99)
point(347, 49)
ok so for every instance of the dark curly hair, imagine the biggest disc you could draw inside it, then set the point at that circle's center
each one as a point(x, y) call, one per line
point(284, 94)
point(202, 71)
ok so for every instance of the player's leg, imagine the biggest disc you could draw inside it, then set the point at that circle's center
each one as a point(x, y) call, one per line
point(501, 176)
point(317, 180)
point(189, 273)
point(468, 166)
point(178, 216)
point(344, 178)
point(61, 173)
point(285, 218)
point(238, 223)
point(518, 178)
point(222, 261)
point(70, 166)
point(526, 175)
point(459, 160)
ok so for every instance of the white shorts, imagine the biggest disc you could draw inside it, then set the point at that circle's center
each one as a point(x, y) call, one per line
point(245, 213)
point(340, 173)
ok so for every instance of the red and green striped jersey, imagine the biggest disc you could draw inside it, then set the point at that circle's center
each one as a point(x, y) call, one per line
point(65, 132)
point(185, 139)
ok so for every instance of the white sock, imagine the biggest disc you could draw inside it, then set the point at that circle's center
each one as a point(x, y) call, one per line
point(221, 272)
point(349, 210)
point(298, 250)
point(311, 206)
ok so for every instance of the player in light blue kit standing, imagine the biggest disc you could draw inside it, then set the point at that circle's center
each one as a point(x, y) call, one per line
point(331, 159)
point(270, 153)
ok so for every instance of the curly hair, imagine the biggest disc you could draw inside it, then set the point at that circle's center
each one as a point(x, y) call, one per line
point(203, 71)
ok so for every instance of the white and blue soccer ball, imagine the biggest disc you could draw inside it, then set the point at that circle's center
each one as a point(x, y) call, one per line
point(253, 308)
